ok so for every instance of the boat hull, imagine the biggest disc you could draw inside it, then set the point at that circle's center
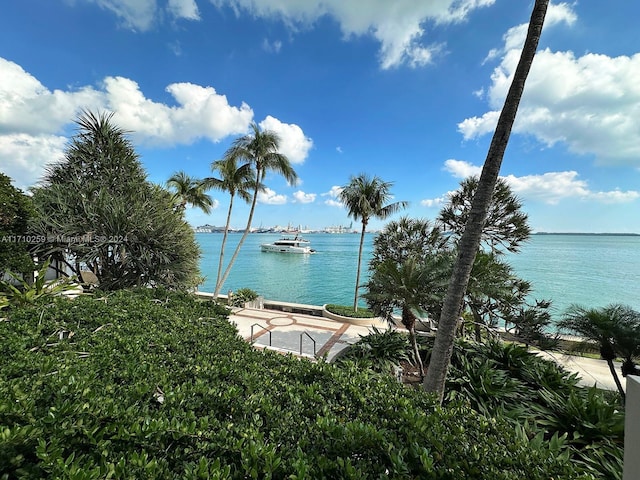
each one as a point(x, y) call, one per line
point(267, 247)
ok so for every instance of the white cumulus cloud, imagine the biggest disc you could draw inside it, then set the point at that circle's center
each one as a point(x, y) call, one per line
point(23, 156)
point(293, 142)
point(302, 197)
point(134, 14)
point(201, 113)
point(434, 202)
point(270, 197)
point(461, 169)
point(399, 25)
point(142, 15)
point(271, 47)
point(186, 9)
point(334, 197)
point(27, 106)
point(34, 118)
point(549, 188)
point(590, 103)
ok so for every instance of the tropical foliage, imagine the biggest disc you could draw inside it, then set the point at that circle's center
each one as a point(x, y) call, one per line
point(407, 237)
point(157, 385)
point(615, 329)
point(242, 296)
point(97, 211)
point(366, 198)
point(189, 191)
point(533, 325)
point(493, 291)
point(382, 351)
point(348, 311)
point(15, 211)
point(411, 288)
point(17, 292)
point(506, 226)
point(509, 382)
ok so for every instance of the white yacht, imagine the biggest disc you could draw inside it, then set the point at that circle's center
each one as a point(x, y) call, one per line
point(295, 244)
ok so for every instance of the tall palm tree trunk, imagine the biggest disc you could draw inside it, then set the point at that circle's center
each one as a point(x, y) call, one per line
point(614, 374)
point(244, 235)
point(469, 243)
point(355, 297)
point(224, 241)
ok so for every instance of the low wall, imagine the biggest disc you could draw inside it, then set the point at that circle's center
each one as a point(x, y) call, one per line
point(288, 307)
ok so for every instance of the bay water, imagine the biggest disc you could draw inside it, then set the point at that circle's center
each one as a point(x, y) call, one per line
point(589, 270)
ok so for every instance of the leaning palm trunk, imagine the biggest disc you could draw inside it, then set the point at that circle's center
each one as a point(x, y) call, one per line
point(355, 297)
point(242, 239)
point(616, 379)
point(470, 241)
point(224, 241)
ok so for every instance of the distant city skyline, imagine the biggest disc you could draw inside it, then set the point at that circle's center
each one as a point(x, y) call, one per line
point(408, 91)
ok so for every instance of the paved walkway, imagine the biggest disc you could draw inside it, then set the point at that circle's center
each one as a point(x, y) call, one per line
point(309, 336)
point(303, 335)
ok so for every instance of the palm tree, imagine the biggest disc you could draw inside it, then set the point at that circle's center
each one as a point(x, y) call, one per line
point(260, 149)
point(188, 190)
point(470, 241)
point(413, 287)
point(615, 329)
point(235, 180)
point(628, 341)
point(366, 198)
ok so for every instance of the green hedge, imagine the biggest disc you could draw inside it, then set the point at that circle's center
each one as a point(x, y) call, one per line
point(148, 384)
point(349, 311)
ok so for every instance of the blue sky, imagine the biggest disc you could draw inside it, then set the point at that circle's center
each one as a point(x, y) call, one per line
point(405, 90)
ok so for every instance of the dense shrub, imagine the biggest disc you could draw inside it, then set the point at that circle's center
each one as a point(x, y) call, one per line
point(16, 209)
point(150, 384)
point(381, 350)
point(96, 210)
point(242, 296)
point(507, 379)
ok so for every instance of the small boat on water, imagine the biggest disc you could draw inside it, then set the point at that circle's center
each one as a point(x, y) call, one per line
point(295, 244)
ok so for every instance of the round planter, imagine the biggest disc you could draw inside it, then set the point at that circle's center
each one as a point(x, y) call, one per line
point(364, 322)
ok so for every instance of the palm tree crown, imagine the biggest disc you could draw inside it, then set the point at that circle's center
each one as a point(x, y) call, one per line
point(188, 190)
point(365, 198)
point(615, 329)
point(261, 149)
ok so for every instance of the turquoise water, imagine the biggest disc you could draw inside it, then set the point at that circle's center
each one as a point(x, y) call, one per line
point(591, 270)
